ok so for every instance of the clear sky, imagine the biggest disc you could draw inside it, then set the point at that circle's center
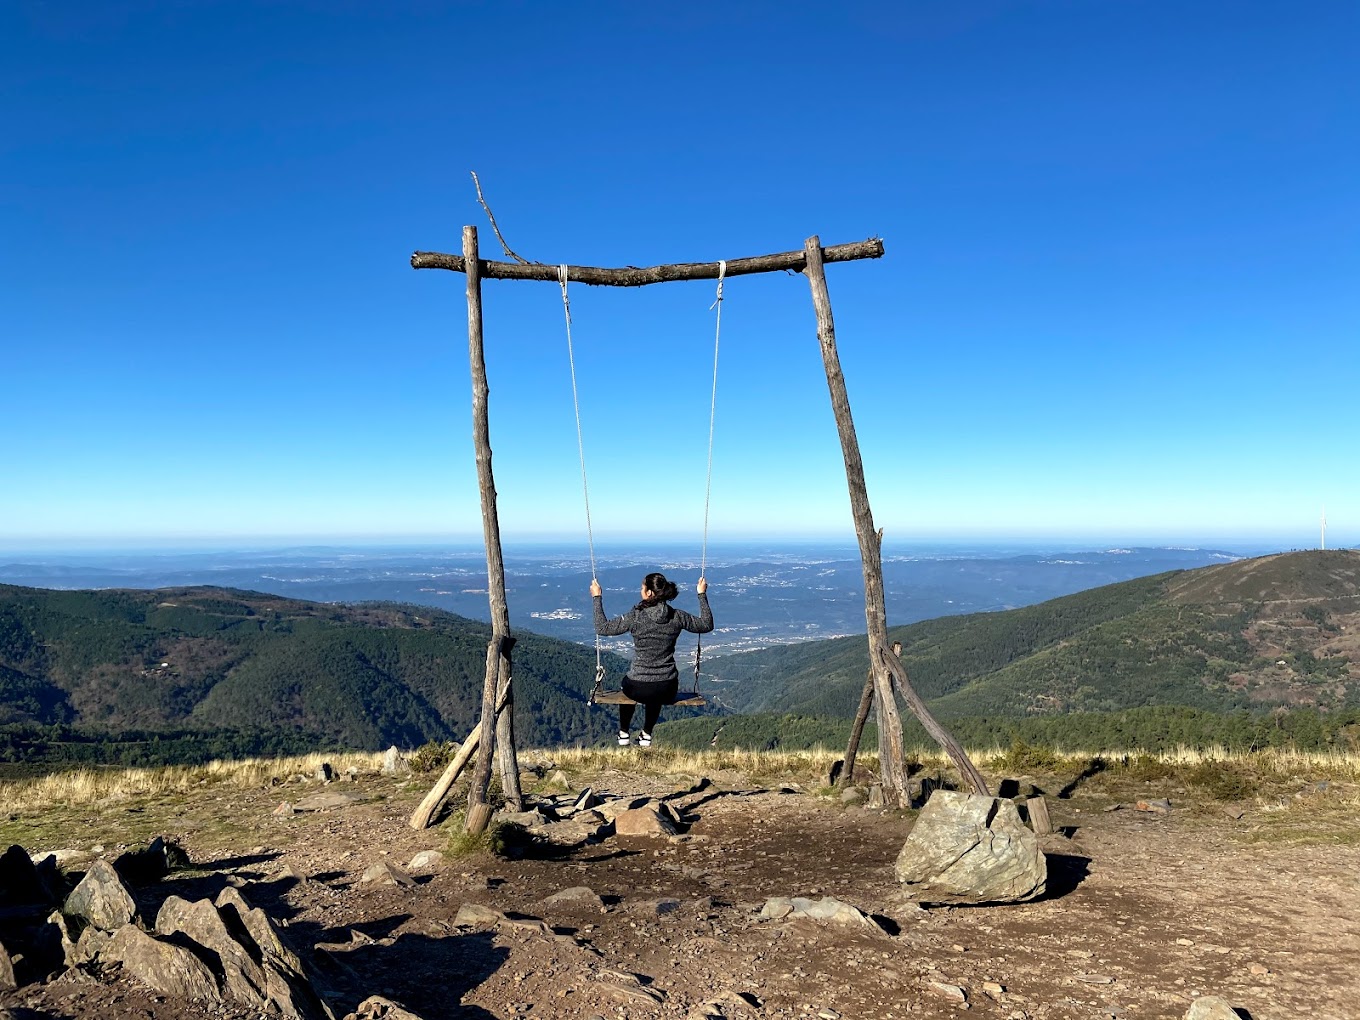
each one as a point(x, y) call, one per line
point(1119, 298)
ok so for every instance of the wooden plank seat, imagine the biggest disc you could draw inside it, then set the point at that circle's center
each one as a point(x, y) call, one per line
point(690, 699)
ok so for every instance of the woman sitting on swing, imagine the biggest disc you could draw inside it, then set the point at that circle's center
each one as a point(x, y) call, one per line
point(653, 679)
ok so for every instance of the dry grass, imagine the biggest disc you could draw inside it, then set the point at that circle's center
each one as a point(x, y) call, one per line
point(662, 761)
point(106, 786)
point(111, 786)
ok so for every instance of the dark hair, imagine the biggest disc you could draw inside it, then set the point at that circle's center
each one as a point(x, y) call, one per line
point(661, 589)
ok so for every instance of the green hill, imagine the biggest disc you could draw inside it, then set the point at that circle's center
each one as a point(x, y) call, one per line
point(211, 660)
point(1255, 634)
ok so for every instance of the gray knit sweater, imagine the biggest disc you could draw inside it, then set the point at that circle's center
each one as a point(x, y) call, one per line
point(655, 630)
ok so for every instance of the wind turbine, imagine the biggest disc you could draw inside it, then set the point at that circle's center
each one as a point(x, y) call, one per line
point(1324, 527)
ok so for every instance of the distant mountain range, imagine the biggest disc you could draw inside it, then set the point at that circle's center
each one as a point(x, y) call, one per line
point(1275, 631)
point(762, 595)
point(217, 659)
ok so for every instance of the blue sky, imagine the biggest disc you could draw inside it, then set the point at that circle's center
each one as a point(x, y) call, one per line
point(1119, 299)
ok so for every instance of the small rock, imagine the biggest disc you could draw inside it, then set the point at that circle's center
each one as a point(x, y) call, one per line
point(375, 1007)
point(1113, 807)
point(828, 1014)
point(395, 763)
point(852, 796)
point(585, 802)
point(947, 991)
point(993, 990)
point(152, 862)
point(383, 873)
point(426, 860)
point(1260, 969)
point(776, 908)
point(1093, 979)
point(558, 781)
point(527, 819)
point(1185, 942)
point(1157, 807)
point(1211, 1007)
point(324, 772)
point(643, 821)
point(875, 801)
point(1234, 812)
point(7, 980)
point(577, 894)
point(472, 915)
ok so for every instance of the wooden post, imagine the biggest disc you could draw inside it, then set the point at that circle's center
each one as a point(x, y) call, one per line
point(883, 661)
point(425, 811)
point(942, 736)
point(424, 814)
point(890, 756)
point(866, 702)
point(498, 650)
point(505, 739)
point(1038, 816)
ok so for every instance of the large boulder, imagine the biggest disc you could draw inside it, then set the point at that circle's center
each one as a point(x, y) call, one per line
point(966, 848)
point(24, 884)
point(101, 899)
point(288, 989)
point(242, 978)
point(161, 965)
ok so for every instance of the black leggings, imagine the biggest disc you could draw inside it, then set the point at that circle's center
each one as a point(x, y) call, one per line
point(649, 718)
point(652, 697)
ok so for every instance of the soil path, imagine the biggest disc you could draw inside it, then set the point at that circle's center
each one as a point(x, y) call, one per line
point(1146, 912)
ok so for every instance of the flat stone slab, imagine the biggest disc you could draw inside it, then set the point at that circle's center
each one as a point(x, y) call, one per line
point(329, 800)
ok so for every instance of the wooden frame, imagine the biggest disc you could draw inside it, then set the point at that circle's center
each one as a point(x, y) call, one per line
point(887, 671)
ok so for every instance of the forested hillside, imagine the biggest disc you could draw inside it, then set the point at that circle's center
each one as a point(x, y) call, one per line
point(1255, 634)
point(258, 669)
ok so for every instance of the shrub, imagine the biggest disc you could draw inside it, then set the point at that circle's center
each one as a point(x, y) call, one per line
point(1023, 757)
point(433, 756)
point(1220, 780)
point(1145, 767)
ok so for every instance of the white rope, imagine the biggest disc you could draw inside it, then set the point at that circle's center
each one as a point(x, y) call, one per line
point(712, 413)
point(708, 477)
point(581, 451)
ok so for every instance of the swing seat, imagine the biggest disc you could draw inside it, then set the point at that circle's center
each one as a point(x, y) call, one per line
point(686, 699)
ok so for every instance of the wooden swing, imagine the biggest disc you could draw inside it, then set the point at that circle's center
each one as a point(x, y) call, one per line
point(599, 695)
point(495, 727)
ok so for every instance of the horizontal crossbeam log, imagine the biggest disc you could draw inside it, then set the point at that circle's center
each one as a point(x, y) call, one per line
point(633, 276)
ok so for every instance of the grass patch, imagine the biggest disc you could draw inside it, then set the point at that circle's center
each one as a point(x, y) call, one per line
point(114, 786)
point(499, 839)
point(1222, 781)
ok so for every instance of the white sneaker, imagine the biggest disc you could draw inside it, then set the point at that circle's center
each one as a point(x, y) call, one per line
point(624, 739)
point(645, 740)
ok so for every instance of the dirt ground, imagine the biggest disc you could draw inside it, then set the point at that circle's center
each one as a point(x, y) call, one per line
point(1145, 912)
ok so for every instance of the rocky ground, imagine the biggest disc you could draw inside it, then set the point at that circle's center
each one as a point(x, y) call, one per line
point(1145, 911)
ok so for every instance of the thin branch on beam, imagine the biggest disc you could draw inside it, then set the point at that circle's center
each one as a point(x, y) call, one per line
point(633, 276)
